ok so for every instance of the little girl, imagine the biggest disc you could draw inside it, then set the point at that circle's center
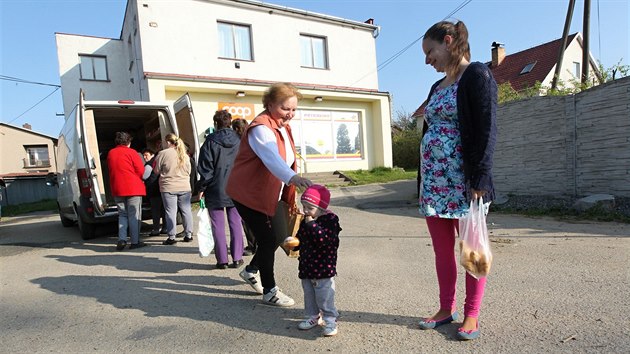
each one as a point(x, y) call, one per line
point(319, 240)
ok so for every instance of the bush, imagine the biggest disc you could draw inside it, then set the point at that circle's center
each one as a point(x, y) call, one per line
point(406, 149)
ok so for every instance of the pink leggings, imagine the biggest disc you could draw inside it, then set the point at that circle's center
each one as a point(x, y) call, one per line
point(443, 236)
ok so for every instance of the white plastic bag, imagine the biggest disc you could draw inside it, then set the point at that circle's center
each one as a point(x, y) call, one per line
point(204, 231)
point(474, 246)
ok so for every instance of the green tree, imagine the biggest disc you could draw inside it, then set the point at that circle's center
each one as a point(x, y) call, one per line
point(405, 140)
point(404, 121)
point(343, 140)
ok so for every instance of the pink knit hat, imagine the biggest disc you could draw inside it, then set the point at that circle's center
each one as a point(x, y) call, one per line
point(317, 195)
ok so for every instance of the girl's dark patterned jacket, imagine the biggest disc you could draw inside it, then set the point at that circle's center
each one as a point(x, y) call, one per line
point(319, 241)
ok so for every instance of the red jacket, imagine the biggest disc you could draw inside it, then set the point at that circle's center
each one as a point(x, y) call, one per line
point(125, 172)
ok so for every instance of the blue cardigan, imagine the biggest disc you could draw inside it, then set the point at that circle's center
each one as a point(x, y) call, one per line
point(476, 109)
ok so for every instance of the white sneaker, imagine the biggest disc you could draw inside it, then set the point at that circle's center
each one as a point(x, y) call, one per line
point(311, 322)
point(330, 329)
point(277, 298)
point(252, 279)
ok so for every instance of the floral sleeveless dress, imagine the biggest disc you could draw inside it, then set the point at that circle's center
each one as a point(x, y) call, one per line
point(442, 191)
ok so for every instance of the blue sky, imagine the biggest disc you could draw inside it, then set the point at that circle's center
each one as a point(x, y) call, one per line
point(28, 49)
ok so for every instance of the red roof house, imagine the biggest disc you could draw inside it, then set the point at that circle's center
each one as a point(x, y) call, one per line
point(537, 64)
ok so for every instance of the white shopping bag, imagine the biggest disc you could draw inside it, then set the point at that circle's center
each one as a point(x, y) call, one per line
point(474, 246)
point(204, 231)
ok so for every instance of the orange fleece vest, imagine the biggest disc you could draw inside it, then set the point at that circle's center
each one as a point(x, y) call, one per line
point(250, 182)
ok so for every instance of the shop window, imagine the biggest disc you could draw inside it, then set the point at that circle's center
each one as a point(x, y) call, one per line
point(331, 135)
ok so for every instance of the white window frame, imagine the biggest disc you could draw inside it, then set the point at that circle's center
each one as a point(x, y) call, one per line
point(325, 128)
point(310, 52)
point(236, 52)
point(36, 156)
point(91, 72)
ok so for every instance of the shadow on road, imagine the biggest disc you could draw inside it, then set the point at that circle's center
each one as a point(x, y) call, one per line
point(201, 298)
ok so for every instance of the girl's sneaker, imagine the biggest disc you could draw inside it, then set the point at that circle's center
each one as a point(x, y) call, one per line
point(275, 297)
point(330, 329)
point(311, 322)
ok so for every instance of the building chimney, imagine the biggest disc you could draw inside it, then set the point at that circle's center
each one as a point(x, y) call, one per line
point(498, 54)
point(369, 21)
point(26, 126)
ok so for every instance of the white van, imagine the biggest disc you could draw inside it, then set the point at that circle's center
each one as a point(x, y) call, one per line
point(83, 194)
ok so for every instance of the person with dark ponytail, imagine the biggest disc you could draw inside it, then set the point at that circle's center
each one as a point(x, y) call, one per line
point(457, 149)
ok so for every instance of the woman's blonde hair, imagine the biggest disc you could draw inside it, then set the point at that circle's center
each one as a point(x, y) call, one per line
point(178, 143)
point(279, 92)
point(458, 49)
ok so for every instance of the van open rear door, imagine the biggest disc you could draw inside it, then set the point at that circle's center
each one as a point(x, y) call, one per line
point(186, 127)
point(91, 154)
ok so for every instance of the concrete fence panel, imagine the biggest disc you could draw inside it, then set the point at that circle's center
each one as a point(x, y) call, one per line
point(570, 145)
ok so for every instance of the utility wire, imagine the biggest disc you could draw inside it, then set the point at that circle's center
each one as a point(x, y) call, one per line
point(23, 81)
point(33, 106)
point(15, 79)
point(400, 52)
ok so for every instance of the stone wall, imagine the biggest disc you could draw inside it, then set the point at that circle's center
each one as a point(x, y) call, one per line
point(571, 145)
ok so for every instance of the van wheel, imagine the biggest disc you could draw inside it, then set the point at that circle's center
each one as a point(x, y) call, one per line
point(64, 220)
point(87, 230)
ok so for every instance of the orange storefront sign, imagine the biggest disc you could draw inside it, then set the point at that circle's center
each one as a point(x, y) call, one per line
point(238, 110)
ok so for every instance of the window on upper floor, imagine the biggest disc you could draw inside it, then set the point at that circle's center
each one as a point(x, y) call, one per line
point(235, 41)
point(36, 156)
point(313, 52)
point(577, 67)
point(93, 67)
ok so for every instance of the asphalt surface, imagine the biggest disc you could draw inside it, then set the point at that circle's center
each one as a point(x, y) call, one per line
point(554, 287)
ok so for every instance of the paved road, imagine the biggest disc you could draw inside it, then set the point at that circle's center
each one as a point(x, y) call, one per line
point(554, 287)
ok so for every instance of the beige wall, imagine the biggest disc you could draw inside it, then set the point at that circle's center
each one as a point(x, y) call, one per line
point(373, 110)
point(168, 48)
point(178, 44)
point(13, 143)
point(68, 49)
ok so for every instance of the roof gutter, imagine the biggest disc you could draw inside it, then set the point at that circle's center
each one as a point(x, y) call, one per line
point(262, 83)
point(271, 7)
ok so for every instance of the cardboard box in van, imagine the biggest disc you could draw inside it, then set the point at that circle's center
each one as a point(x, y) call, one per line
point(83, 194)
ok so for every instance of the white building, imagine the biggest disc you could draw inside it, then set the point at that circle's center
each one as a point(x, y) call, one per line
point(225, 53)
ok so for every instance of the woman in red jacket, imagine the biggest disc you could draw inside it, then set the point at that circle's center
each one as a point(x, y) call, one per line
point(125, 178)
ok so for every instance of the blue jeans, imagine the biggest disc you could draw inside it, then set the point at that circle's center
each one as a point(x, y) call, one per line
point(172, 202)
point(319, 297)
point(129, 217)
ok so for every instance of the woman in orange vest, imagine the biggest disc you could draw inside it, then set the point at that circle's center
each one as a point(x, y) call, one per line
point(264, 173)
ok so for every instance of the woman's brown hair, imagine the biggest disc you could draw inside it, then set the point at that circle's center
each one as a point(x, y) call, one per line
point(279, 92)
point(459, 48)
